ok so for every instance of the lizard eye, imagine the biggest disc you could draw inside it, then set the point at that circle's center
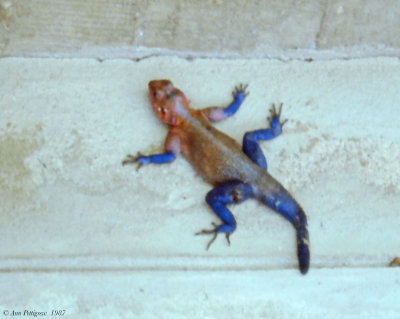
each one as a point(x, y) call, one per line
point(162, 110)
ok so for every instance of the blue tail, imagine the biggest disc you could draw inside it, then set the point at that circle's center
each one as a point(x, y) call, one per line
point(284, 204)
point(303, 250)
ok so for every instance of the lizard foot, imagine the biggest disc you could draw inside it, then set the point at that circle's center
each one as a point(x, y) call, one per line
point(274, 119)
point(240, 91)
point(213, 231)
point(130, 159)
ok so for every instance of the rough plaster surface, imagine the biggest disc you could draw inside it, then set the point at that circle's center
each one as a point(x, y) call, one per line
point(132, 28)
point(330, 294)
point(83, 234)
point(67, 124)
point(106, 241)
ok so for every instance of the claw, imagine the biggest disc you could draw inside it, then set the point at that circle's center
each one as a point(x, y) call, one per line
point(213, 231)
point(241, 88)
point(272, 110)
point(227, 235)
point(211, 241)
point(208, 231)
point(276, 114)
point(280, 110)
point(130, 159)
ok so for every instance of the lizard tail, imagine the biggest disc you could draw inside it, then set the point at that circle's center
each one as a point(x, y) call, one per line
point(284, 204)
point(303, 250)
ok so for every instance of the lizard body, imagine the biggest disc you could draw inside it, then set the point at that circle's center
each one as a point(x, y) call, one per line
point(238, 173)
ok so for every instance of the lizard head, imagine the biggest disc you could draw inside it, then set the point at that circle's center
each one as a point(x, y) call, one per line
point(169, 103)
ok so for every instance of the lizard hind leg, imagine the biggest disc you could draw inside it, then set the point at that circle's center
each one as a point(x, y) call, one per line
point(233, 192)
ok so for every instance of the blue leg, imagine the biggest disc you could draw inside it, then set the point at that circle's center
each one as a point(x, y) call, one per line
point(216, 113)
point(250, 140)
point(239, 94)
point(230, 193)
point(144, 160)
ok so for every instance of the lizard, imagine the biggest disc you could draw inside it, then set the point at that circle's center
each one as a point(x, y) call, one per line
point(236, 172)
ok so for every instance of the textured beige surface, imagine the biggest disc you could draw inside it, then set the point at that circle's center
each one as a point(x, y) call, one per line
point(67, 124)
point(135, 29)
point(331, 294)
point(82, 234)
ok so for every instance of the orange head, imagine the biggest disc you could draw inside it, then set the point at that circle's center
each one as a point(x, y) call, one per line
point(170, 104)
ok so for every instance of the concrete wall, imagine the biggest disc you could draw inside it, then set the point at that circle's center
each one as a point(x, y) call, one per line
point(83, 234)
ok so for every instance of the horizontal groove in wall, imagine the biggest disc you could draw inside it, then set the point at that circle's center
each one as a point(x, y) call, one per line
point(187, 263)
point(137, 54)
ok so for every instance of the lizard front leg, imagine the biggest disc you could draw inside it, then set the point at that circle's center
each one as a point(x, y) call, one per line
point(217, 113)
point(172, 149)
point(218, 198)
point(141, 159)
point(250, 140)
